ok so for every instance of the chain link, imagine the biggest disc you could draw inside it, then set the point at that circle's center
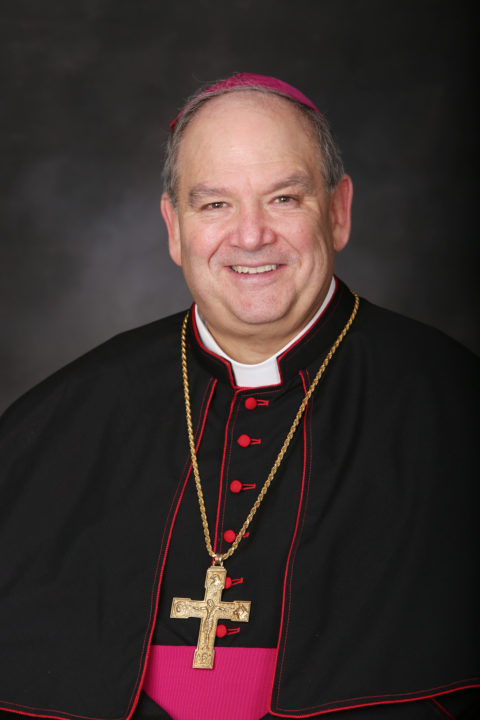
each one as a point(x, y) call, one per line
point(191, 441)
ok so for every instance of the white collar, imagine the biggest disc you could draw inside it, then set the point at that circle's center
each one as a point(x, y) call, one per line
point(266, 372)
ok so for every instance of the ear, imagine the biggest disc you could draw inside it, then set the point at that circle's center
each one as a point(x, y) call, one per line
point(340, 212)
point(170, 217)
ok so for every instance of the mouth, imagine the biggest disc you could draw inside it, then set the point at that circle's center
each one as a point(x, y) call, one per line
point(259, 269)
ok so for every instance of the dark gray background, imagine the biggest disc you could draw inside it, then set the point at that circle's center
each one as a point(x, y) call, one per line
point(88, 89)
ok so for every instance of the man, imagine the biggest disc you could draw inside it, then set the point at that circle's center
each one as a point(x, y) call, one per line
point(308, 544)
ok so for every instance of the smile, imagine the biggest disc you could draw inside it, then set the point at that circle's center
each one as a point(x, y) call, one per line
point(253, 270)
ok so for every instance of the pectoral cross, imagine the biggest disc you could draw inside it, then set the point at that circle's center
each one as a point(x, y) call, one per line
point(210, 610)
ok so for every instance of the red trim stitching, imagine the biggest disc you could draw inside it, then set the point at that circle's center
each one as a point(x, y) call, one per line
point(280, 357)
point(62, 714)
point(443, 709)
point(206, 400)
point(380, 702)
point(451, 686)
point(228, 458)
point(226, 444)
point(433, 692)
point(315, 326)
point(300, 511)
point(210, 352)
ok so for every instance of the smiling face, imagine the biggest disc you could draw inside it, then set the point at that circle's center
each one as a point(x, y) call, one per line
point(254, 229)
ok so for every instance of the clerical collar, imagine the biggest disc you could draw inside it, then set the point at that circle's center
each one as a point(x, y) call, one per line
point(264, 373)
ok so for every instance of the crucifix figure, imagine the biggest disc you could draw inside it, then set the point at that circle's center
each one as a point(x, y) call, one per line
point(210, 610)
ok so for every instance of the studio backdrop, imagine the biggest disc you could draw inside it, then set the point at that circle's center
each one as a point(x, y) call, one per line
point(88, 90)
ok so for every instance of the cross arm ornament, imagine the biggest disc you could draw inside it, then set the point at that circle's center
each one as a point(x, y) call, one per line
point(210, 610)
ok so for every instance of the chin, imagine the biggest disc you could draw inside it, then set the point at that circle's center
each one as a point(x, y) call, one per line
point(258, 317)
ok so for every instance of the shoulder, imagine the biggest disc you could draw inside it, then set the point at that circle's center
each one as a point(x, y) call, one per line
point(414, 369)
point(126, 367)
point(409, 343)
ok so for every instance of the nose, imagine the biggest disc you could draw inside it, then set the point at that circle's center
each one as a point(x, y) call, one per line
point(252, 229)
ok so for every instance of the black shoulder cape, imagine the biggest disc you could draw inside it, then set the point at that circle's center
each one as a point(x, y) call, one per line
point(380, 591)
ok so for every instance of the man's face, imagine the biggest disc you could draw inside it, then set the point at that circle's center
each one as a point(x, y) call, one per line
point(254, 231)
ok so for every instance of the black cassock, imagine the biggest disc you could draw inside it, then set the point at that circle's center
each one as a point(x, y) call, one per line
point(361, 564)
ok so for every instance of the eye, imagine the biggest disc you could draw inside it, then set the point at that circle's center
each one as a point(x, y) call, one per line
point(217, 205)
point(284, 199)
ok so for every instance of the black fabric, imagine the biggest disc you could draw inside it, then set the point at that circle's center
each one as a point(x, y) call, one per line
point(364, 554)
point(260, 560)
point(463, 705)
point(147, 709)
point(459, 705)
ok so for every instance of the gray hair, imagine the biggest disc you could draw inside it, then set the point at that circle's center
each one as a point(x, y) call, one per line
point(332, 165)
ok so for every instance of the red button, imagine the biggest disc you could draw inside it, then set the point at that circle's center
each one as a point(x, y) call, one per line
point(229, 536)
point(250, 403)
point(236, 486)
point(221, 631)
point(244, 440)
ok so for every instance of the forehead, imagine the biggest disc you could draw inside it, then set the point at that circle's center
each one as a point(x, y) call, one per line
point(246, 131)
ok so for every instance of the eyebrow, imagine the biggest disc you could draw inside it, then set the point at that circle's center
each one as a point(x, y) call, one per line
point(201, 191)
point(299, 180)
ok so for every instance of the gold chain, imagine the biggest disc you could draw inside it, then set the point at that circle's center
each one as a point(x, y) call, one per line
point(219, 558)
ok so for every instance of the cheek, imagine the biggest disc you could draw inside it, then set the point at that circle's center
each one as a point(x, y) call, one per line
point(197, 263)
point(199, 243)
point(316, 260)
point(310, 244)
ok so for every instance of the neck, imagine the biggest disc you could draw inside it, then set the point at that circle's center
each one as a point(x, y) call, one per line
point(257, 348)
point(250, 349)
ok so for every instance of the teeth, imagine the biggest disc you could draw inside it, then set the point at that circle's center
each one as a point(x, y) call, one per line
point(253, 270)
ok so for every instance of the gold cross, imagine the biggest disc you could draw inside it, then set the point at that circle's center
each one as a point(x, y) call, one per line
point(210, 610)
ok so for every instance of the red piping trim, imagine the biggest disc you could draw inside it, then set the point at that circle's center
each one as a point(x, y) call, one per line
point(143, 670)
point(154, 596)
point(56, 717)
point(429, 693)
point(275, 714)
point(297, 522)
point(443, 709)
point(222, 501)
point(222, 469)
point(280, 357)
point(379, 702)
point(307, 332)
point(210, 352)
